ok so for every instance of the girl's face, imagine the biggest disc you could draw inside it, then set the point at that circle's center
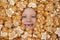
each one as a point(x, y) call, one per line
point(28, 18)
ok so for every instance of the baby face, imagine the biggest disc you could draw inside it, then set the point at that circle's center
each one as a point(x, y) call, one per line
point(28, 18)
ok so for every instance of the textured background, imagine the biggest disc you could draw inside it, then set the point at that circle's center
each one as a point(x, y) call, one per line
point(47, 26)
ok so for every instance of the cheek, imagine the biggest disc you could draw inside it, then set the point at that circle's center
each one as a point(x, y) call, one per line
point(23, 21)
point(34, 20)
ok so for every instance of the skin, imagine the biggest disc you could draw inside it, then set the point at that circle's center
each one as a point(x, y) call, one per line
point(28, 18)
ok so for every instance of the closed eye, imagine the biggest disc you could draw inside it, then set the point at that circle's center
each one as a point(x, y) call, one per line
point(23, 16)
point(33, 16)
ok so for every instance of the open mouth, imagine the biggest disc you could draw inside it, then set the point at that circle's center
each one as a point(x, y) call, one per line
point(29, 25)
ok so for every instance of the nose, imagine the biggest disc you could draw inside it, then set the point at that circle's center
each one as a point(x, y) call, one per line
point(28, 19)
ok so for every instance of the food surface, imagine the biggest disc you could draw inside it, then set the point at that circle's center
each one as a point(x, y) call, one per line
point(47, 26)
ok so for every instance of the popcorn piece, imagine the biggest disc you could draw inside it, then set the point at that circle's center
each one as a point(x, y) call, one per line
point(12, 35)
point(49, 7)
point(9, 12)
point(49, 29)
point(58, 31)
point(53, 36)
point(31, 4)
point(28, 38)
point(14, 8)
point(38, 0)
point(34, 35)
point(43, 0)
point(22, 27)
point(22, 0)
point(5, 29)
point(1, 26)
point(25, 35)
point(56, 21)
point(33, 38)
point(34, 1)
point(3, 0)
point(18, 14)
point(36, 31)
point(39, 35)
point(18, 30)
point(49, 0)
point(11, 2)
point(21, 5)
point(57, 10)
point(52, 15)
point(40, 7)
point(41, 26)
point(16, 21)
point(49, 21)
point(1, 21)
point(48, 36)
point(3, 3)
point(2, 15)
point(53, 29)
point(3, 34)
point(57, 5)
point(8, 24)
point(58, 16)
point(43, 36)
point(56, 0)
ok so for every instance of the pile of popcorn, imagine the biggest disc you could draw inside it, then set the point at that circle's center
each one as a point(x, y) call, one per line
point(47, 26)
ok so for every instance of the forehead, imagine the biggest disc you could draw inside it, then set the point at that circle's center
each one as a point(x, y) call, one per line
point(29, 11)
